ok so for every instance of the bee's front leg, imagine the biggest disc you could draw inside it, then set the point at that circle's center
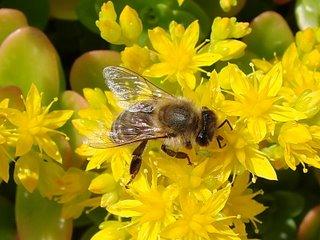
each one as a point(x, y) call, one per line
point(136, 161)
point(172, 153)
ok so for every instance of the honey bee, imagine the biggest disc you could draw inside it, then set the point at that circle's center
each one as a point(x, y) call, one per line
point(152, 113)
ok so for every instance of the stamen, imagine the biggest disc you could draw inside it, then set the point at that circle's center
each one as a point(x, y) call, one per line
point(252, 66)
point(254, 178)
point(202, 44)
point(49, 106)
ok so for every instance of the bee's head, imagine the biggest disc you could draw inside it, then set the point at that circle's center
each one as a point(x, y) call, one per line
point(207, 126)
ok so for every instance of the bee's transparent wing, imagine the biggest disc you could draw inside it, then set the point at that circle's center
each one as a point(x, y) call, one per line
point(132, 125)
point(129, 87)
point(97, 136)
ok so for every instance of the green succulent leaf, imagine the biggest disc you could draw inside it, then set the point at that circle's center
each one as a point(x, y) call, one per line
point(39, 218)
point(270, 35)
point(307, 13)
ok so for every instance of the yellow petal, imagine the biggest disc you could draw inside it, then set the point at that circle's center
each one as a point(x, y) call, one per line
point(110, 31)
point(226, 5)
point(228, 49)
point(257, 128)
point(102, 184)
point(158, 70)
point(289, 159)
point(56, 119)
point(33, 101)
point(191, 35)
point(97, 159)
point(261, 167)
point(205, 59)
point(118, 168)
point(26, 171)
point(176, 230)
point(125, 208)
point(4, 103)
point(216, 202)
point(180, 2)
point(187, 80)
point(50, 147)
point(136, 58)
point(131, 24)
point(4, 165)
point(238, 80)
point(24, 144)
point(285, 113)
point(111, 230)
point(107, 12)
point(294, 133)
point(160, 41)
point(263, 65)
point(14, 116)
point(271, 83)
point(232, 108)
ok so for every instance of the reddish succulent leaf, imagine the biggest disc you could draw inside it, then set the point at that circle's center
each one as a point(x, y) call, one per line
point(10, 20)
point(87, 69)
point(309, 228)
point(27, 56)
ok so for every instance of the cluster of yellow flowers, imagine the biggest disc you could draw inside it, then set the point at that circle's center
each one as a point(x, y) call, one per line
point(274, 112)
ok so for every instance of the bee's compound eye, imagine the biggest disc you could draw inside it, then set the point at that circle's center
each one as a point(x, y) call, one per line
point(202, 139)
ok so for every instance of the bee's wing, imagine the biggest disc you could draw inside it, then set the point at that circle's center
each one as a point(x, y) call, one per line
point(133, 125)
point(129, 87)
point(97, 135)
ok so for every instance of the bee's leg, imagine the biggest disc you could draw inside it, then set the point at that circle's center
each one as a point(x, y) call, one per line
point(172, 153)
point(136, 161)
point(219, 138)
point(226, 121)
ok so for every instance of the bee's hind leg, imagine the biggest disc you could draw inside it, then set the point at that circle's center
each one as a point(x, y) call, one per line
point(172, 153)
point(136, 161)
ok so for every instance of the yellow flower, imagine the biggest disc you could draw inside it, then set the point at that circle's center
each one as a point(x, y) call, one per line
point(179, 58)
point(225, 28)
point(94, 124)
point(126, 32)
point(242, 153)
point(202, 220)
point(111, 230)
point(150, 208)
point(226, 5)
point(136, 58)
point(300, 144)
point(189, 179)
point(208, 94)
point(180, 2)
point(105, 184)
point(33, 172)
point(5, 134)
point(36, 125)
point(241, 203)
point(257, 101)
point(308, 43)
